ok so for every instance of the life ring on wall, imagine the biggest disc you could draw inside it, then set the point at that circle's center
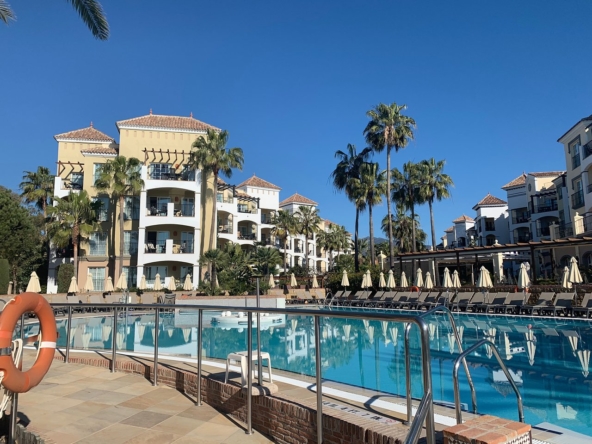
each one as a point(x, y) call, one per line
point(416, 289)
point(14, 379)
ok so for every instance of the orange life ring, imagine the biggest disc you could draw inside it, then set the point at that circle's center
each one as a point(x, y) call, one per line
point(416, 289)
point(14, 379)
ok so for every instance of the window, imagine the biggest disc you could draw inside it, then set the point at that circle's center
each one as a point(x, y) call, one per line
point(489, 224)
point(151, 272)
point(98, 244)
point(130, 243)
point(187, 242)
point(574, 149)
point(160, 171)
point(131, 274)
point(98, 277)
point(103, 211)
point(77, 180)
point(561, 217)
point(96, 172)
point(490, 239)
point(185, 270)
point(131, 207)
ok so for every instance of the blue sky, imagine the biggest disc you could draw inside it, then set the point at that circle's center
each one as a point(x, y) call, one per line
point(491, 84)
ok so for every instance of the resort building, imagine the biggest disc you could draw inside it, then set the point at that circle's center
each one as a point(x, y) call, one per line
point(491, 223)
point(461, 233)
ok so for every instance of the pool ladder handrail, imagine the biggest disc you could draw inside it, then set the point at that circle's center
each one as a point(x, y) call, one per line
point(495, 352)
point(443, 309)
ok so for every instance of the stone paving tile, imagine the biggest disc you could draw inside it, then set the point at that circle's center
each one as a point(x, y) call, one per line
point(115, 434)
point(154, 437)
point(145, 419)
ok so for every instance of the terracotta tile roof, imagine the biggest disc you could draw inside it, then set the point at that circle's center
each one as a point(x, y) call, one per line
point(520, 180)
point(463, 218)
point(108, 151)
point(297, 198)
point(221, 181)
point(547, 174)
point(166, 122)
point(90, 133)
point(240, 193)
point(449, 230)
point(258, 182)
point(490, 200)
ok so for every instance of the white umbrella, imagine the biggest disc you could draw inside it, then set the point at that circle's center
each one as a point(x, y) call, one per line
point(364, 281)
point(188, 285)
point(530, 345)
point(157, 283)
point(368, 279)
point(271, 282)
point(315, 283)
point(451, 341)
point(122, 282)
point(344, 280)
point(419, 278)
point(565, 279)
point(346, 331)
point(404, 280)
point(390, 282)
point(73, 288)
point(455, 280)
point(574, 272)
point(294, 324)
point(172, 284)
point(523, 279)
point(484, 280)
point(428, 284)
point(584, 357)
point(142, 285)
point(394, 331)
point(381, 281)
point(109, 284)
point(447, 282)
point(33, 286)
point(88, 285)
point(293, 282)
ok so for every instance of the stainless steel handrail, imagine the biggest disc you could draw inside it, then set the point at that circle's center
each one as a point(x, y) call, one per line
point(443, 309)
point(316, 314)
point(462, 356)
point(416, 427)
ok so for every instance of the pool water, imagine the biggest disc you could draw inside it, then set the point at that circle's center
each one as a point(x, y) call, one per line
point(548, 358)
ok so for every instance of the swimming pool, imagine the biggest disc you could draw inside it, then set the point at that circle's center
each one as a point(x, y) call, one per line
point(548, 358)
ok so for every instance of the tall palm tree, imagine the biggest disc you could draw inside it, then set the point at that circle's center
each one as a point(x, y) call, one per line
point(266, 259)
point(37, 188)
point(90, 11)
point(402, 230)
point(347, 169)
point(74, 217)
point(121, 177)
point(434, 185)
point(406, 186)
point(284, 224)
point(341, 237)
point(308, 222)
point(370, 187)
point(214, 258)
point(211, 155)
point(389, 128)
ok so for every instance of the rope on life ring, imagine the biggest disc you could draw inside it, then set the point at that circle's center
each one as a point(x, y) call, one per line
point(414, 288)
point(14, 379)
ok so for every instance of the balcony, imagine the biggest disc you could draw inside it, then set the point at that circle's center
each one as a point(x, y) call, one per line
point(247, 236)
point(225, 229)
point(170, 209)
point(522, 236)
point(221, 199)
point(520, 219)
point(167, 247)
point(587, 149)
point(575, 161)
point(170, 174)
point(298, 250)
point(565, 230)
point(244, 209)
point(266, 219)
point(543, 231)
point(545, 207)
point(577, 199)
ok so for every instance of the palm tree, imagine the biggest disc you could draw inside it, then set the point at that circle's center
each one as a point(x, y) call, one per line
point(211, 155)
point(341, 237)
point(389, 128)
point(37, 188)
point(402, 230)
point(406, 187)
point(123, 178)
point(214, 258)
point(370, 187)
point(265, 259)
point(90, 11)
point(308, 222)
point(347, 169)
point(434, 185)
point(284, 224)
point(362, 245)
point(73, 218)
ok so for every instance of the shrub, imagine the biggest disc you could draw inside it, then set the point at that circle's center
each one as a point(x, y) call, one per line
point(4, 276)
point(65, 274)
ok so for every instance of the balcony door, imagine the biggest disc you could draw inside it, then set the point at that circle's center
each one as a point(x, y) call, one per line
point(187, 206)
point(187, 241)
point(156, 241)
point(152, 271)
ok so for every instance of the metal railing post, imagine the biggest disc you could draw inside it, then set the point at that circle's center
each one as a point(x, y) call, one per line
point(319, 375)
point(114, 341)
point(259, 364)
point(249, 374)
point(427, 380)
point(68, 334)
point(199, 351)
point(156, 331)
point(408, 374)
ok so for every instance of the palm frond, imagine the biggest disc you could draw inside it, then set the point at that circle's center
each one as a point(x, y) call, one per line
point(6, 12)
point(91, 13)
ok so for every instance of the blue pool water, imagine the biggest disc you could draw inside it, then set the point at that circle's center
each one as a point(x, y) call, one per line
point(548, 358)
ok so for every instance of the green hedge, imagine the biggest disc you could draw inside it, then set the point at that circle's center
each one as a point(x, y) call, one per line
point(65, 274)
point(4, 276)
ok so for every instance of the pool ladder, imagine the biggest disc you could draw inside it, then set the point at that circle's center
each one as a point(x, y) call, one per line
point(460, 359)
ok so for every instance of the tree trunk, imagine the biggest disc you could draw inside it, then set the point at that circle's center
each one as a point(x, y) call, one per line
point(214, 233)
point(75, 248)
point(121, 231)
point(284, 240)
point(388, 208)
point(430, 204)
point(306, 252)
point(213, 277)
point(413, 246)
point(356, 252)
point(371, 235)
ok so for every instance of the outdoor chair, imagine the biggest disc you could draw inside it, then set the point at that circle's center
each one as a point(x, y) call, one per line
point(305, 297)
point(585, 307)
point(542, 302)
point(414, 305)
point(513, 304)
point(359, 299)
point(499, 300)
point(443, 298)
point(378, 301)
point(563, 304)
point(429, 300)
point(402, 298)
point(391, 297)
point(410, 301)
point(477, 299)
point(335, 296)
point(372, 299)
point(341, 299)
point(462, 300)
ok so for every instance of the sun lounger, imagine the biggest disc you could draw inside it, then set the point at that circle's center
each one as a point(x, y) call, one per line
point(542, 302)
point(443, 298)
point(462, 300)
point(429, 300)
point(401, 299)
point(341, 299)
point(378, 301)
point(335, 296)
point(585, 307)
point(359, 299)
point(477, 299)
point(563, 304)
point(513, 304)
point(496, 300)
point(391, 297)
point(412, 300)
point(372, 299)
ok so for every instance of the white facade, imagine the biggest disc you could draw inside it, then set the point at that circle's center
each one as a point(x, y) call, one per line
point(491, 222)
